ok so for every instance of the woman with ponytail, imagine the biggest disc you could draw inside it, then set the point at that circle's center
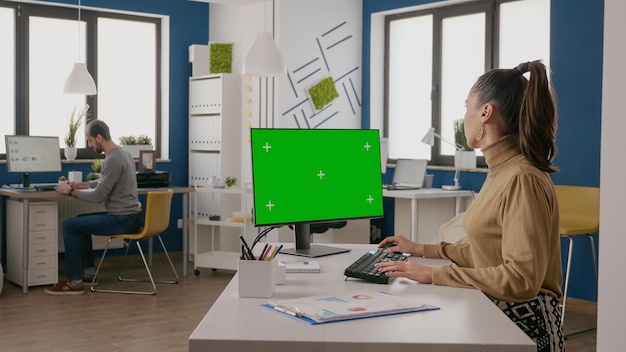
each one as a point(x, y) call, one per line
point(512, 252)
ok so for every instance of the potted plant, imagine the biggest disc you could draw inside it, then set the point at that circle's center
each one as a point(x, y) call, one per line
point(133, 144)
point(465, 158)
point(96, 169)
point(230, 181)
point(76, 120)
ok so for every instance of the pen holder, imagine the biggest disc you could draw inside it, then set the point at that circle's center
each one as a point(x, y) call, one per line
point(280, 273)
point(256, 278)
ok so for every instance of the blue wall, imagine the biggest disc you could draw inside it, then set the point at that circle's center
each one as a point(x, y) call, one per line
point(188, 25)
point(576, 60)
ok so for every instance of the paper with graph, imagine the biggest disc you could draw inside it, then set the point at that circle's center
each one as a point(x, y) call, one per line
point(320, 309)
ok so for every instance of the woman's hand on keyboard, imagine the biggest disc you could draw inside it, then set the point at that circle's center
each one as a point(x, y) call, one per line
point(410, 270)
point(403, 245)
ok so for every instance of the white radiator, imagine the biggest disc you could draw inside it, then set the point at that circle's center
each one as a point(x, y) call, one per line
point(69, 207)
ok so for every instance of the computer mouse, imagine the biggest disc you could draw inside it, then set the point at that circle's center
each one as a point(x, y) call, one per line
point(391, 244)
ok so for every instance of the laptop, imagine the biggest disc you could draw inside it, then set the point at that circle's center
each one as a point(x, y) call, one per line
point(409, 174)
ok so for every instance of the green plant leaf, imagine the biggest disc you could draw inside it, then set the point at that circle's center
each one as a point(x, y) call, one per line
point(459, 135)
point(76, 120)
point(96, 165)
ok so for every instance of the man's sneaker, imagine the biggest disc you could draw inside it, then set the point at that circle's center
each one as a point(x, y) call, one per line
point(65, 288)
point(88, 279)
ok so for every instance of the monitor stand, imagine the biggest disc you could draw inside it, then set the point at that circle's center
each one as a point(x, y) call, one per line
point(304, 248)
point(25, 180)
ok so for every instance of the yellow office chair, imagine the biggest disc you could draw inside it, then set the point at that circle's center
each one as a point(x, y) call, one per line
point(579, 211)
point(158, 205)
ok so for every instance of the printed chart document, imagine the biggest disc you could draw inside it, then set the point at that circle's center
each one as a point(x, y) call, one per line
point(301, 267)
point(322, 309)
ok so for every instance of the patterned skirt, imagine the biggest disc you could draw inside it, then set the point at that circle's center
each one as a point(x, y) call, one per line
point(540, 319)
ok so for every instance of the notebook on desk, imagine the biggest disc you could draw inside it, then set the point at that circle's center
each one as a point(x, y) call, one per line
point(409, 174)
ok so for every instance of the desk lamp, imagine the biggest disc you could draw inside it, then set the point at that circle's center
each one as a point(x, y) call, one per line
point(429, 139)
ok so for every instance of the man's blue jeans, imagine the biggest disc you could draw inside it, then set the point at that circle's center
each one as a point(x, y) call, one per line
point(77, 233)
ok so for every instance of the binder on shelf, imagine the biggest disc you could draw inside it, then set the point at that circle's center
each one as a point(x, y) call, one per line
point(321, 309)
point(310, 267)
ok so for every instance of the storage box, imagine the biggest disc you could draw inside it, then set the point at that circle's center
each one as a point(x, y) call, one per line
point(199, 58)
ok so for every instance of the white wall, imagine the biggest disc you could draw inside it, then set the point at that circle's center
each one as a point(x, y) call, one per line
point(225, 26)
point(612, 286)
point(239, 25)
point(319, 39)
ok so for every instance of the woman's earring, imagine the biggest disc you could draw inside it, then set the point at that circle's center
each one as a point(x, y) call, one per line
point(479, 134)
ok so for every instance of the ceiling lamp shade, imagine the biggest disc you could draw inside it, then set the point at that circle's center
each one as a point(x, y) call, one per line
point(264, 58)
point(80, 81)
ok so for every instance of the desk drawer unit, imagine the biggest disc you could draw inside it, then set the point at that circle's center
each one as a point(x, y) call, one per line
point(43, 266)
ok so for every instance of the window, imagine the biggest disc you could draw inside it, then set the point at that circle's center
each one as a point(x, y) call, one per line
point(132, 106)
point(7, 69)
point(48, 108)
point(433, 56)
point(122, 52)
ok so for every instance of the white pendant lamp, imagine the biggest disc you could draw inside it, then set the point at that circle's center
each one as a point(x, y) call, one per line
point(264, 58)
point(79, 81)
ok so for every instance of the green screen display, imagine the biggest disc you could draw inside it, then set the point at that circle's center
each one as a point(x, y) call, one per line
point(315, 175)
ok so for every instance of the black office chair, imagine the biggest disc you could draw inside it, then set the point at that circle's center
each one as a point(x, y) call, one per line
point(325, 226)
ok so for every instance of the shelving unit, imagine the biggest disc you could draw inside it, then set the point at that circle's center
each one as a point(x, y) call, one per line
point(214, 113)
point(215, 153)
point(216, 257)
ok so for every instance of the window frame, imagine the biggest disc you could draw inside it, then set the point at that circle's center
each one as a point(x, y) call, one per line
point(90, 16)
point(439, 13)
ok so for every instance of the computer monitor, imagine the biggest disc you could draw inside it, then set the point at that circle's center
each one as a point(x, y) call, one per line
point(29, 154)
point(305, 176)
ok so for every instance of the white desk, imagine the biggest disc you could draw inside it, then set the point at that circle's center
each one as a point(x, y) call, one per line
point(467, 321)
point(422, 194)
point(27, 195)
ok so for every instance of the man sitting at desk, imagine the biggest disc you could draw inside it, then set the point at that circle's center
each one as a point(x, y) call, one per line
point(117, 188)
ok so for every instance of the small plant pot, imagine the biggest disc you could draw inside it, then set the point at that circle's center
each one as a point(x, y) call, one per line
point(70, 153)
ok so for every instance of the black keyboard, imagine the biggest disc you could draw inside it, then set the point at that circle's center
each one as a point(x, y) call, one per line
point(45, 186)
point(364, 267)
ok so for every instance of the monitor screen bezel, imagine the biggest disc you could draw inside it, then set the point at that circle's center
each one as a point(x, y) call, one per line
point(56, 153)
point(314, 221)
point(302, 227)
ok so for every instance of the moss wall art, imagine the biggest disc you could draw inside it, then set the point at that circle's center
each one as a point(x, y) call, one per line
point(220, 58)
point(323, 92)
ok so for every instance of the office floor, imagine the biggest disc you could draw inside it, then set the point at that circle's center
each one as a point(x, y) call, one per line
point(115, 322)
